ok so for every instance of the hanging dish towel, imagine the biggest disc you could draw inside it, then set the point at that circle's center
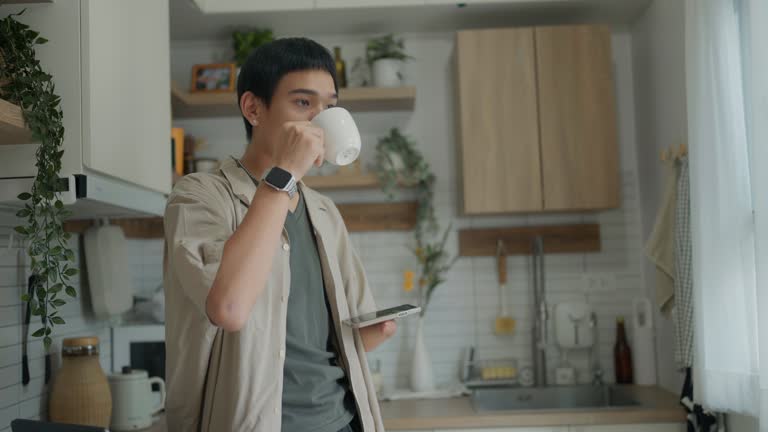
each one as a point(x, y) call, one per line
point(683, 267)
point(660, 247)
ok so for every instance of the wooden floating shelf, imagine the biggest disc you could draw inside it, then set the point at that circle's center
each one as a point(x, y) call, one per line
point(347, 181)
point(200, 104)
point(377, 98)
point(575, 238)
point(13, 130)
point(399, 216)
point(351, 181)
point(396, 216)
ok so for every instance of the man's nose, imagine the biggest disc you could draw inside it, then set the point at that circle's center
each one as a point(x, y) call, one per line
point(316, 110)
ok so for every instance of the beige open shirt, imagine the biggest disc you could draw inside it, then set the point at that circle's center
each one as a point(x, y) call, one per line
point(220, 381)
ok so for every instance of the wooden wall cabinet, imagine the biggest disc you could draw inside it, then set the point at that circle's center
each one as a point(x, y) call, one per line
point(537, 120)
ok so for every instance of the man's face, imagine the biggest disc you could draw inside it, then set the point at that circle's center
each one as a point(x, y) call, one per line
point(299, 96)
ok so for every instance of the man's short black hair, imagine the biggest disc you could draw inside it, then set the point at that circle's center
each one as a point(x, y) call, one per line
point(268, 63)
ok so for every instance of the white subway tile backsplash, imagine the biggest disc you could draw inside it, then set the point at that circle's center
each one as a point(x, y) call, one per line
point(17, 400)
point(463, 309)
point(10, 355)
point(32, 408)
point(7, 415)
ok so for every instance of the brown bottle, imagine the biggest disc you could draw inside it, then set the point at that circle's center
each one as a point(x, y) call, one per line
point(341, 68)
point(622, 355)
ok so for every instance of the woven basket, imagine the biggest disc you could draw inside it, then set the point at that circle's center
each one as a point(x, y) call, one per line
point(80, 392)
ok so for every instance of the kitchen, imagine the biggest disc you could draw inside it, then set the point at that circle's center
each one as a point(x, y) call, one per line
point(646, 60)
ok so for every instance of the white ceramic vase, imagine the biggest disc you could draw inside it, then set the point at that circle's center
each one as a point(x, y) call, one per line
point(386, 73)
point(422, 379)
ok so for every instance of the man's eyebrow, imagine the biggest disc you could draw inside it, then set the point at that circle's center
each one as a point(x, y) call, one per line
point(311, 92)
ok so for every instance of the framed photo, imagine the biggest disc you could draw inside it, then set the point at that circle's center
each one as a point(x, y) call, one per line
point(218, 77)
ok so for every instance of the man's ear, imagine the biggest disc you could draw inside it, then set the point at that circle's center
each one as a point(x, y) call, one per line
point(251, 107)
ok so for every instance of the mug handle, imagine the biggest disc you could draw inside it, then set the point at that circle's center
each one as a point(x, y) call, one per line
point(159, 381)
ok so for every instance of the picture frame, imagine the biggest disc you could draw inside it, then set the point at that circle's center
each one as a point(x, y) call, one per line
point(213, 78)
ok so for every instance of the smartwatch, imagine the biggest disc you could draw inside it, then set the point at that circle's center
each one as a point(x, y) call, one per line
point(281, 180)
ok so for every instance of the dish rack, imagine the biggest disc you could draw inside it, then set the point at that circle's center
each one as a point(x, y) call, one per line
point(491, 372)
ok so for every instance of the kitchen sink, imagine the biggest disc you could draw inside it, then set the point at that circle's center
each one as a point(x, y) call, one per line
point(535, 398)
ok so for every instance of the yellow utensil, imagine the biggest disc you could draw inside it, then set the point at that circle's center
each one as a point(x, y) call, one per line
point(505, 324)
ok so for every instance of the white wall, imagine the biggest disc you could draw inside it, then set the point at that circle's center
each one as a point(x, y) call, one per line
point(659, 69)
point(464, 307)
point(30, 401)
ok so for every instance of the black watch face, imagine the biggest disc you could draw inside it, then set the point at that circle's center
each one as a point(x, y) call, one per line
point(278, 177)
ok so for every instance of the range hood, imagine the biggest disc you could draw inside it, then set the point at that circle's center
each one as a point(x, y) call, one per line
point(91, 196)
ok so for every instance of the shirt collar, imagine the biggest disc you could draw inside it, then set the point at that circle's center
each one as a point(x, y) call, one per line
point(244, 188)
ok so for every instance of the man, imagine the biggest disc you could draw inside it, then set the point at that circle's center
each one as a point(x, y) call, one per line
point(259, 272)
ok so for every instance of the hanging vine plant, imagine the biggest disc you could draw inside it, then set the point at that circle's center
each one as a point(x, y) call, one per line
point(23, 82)
point(398, 161)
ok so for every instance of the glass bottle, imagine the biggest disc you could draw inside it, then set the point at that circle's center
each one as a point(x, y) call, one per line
point(341, 68)
point(622, 355)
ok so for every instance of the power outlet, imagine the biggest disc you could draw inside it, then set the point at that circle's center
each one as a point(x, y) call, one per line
point(595, 283)
point(592, 283)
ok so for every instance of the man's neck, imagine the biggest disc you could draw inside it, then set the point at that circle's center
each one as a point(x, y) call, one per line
point(256, 160)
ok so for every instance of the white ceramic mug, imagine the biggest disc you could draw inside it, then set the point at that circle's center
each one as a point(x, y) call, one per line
point(132, 399)
point(342, 139)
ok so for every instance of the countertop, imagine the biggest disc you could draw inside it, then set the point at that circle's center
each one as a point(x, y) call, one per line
point(657, 406)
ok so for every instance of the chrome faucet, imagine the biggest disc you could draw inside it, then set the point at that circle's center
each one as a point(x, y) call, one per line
point(540, 315)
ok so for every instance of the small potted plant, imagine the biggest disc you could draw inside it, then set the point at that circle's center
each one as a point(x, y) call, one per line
point(245, 41)
point(386, 55)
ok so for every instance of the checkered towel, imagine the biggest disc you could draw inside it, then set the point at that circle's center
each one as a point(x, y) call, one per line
point(683, 268)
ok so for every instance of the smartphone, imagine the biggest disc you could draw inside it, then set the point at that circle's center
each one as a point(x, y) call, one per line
point(365, 320)
point(23, 425)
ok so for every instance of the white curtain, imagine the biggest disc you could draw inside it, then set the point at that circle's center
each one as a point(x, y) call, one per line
point(754, 14)
point(723, 74)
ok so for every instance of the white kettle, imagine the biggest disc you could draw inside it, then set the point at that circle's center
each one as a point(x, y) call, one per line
point(133, 399)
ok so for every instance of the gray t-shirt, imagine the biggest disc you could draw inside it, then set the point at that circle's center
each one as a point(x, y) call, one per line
point(315, 395)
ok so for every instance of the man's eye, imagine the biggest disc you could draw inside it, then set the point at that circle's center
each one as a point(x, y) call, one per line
point(302, 102)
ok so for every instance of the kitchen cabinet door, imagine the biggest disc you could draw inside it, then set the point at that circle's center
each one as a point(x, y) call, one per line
point(469, 2)
point(236, 6)
point(577, 118)
point(651, 427)
point(497, 121)
point(126, 110)
point(334, 4)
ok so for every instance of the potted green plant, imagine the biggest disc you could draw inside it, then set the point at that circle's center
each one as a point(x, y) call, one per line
point(386, 55)
point(245, 41)
point(27, 85)
point(398, 161)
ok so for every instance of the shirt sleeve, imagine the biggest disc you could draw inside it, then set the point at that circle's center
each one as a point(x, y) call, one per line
point(197, 225)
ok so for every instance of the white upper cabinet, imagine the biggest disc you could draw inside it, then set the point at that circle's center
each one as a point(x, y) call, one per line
point(230, 6)
point(333, 4)
point(125, 88)
point(469, 2)
point(110, 62)
point(236, 6)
